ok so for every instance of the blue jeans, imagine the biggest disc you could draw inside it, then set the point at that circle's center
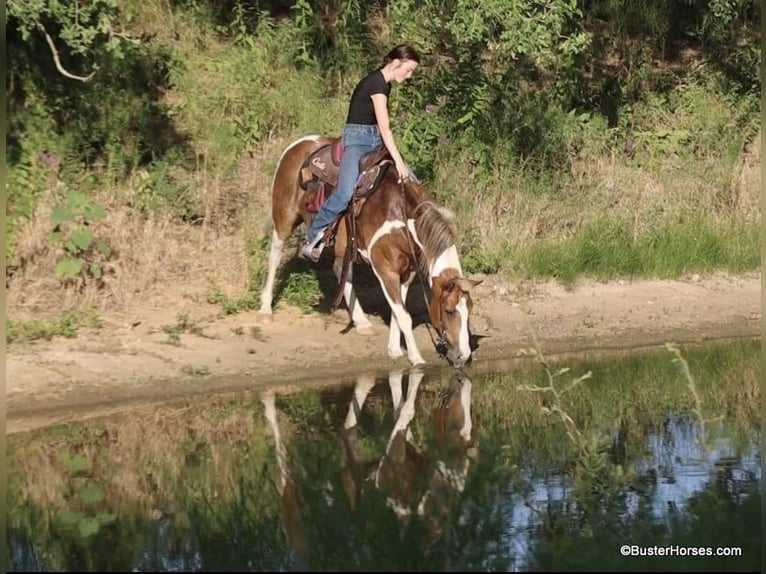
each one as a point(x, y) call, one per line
point(358, 140)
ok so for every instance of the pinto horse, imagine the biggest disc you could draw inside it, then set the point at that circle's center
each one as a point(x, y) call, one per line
point(419, 484)
point(398, 231)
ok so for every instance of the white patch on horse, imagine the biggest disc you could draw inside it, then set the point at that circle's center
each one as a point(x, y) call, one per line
point(271, 417)
point(398, 507)
point(463, 340)
point(385, 229)
point(275, 255)
point(314, 138)
point(364, 385)
point(414, 233)
point(465, 401)
point(448, 259)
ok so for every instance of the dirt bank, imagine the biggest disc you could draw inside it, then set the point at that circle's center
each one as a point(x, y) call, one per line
point(131, 360)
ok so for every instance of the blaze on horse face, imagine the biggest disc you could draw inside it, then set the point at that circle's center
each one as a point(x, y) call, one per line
point(450, 308)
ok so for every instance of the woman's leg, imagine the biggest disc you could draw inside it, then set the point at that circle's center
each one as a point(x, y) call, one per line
point(337, 202)
point(357, 141)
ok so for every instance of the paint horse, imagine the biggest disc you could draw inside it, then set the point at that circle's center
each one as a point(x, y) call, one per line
point(416, 484)
point(396, 229)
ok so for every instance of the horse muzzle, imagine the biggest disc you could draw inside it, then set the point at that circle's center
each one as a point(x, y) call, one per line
point(456, 358)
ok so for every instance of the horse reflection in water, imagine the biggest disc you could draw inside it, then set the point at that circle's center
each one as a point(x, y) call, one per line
point(417, 484)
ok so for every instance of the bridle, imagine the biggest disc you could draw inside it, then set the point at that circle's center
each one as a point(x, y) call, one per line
point(440, 340)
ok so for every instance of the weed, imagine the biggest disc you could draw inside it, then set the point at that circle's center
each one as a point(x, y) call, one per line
point(232, 306)
point(65, 324)
point(692, 386)
point(195, 371)
point(257, 334)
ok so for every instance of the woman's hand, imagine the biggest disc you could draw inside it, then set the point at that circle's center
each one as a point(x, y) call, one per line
point(403, 170)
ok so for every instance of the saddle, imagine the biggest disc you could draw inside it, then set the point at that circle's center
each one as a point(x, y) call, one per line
point(319, 177)
point(319, 173)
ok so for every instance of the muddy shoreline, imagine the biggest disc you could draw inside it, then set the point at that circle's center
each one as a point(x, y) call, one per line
point(129, 363)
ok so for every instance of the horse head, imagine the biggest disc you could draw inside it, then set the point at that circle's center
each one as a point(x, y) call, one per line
point(450, 309)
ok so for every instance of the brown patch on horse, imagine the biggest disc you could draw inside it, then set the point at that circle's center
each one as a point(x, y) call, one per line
point(287, 207)
point(447, 289)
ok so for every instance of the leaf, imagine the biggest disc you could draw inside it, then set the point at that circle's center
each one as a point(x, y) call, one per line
point(82, 238)
point(466, 118)
point(77, 463)
point(70, 517)
point(61, 215)
point(103, 248)
point(91, 493)
point(89, 527)
point(94, 212)
point(68, 268)
point(106, 517)
point(54, 237)
point(95, 270)
point(77, 200)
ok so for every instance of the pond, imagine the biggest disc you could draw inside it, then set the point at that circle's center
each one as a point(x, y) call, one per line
point(642, 462)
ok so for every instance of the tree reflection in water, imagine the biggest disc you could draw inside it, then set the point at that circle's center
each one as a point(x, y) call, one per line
point(402, 473)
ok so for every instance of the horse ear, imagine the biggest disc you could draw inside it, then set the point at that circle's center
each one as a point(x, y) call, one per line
point(468, 284)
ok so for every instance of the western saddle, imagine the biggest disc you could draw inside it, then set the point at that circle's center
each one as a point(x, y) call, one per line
point(319, 173)
point(319, 178)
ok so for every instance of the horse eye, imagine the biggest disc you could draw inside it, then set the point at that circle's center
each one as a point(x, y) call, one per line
point(449, 311)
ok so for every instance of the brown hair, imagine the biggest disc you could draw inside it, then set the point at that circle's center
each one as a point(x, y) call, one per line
point(402, 52)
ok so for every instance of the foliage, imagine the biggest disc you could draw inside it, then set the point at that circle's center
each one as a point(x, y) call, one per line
point(65, 324)
point(85, 254)
point(173, 99)
point(87, 497)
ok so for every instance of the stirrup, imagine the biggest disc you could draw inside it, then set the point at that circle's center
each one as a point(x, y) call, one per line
point(311, 253)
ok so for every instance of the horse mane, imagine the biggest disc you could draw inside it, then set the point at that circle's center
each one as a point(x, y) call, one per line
point(433, 224)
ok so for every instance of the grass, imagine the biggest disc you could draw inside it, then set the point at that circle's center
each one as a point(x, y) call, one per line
point(65, 324)
point(607, 249)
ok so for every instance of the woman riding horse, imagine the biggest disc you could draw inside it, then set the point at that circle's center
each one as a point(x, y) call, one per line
point(367, 125)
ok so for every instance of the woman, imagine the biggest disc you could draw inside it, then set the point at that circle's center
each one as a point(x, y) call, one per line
point(367, 126)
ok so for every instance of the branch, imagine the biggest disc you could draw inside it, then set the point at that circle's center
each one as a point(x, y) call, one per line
point(57, 60)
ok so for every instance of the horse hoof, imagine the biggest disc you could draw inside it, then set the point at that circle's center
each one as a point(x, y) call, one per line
point(365, 330)
point(262, 317)
point(417, 361)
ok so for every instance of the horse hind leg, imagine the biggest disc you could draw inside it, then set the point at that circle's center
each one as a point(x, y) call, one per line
point(267, 293)
point(358, 316)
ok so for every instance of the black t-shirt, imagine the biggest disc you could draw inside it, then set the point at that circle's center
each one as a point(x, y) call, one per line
point(360, 110)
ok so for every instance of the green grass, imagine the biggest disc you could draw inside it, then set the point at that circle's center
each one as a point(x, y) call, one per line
point(607, 249)
point(65, 325)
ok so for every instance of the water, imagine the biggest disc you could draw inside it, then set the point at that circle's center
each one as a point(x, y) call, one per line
point(417, 470)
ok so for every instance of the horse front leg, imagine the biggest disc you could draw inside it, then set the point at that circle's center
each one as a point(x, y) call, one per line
point(394, 332)
point(401, 320)
point(267, 293)
point(364, 384)
point(358, 316)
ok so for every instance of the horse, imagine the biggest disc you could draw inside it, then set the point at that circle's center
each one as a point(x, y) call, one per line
point(399, 230)
point(416, 484)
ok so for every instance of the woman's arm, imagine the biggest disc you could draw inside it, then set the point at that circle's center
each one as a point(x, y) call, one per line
point(379, 102)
